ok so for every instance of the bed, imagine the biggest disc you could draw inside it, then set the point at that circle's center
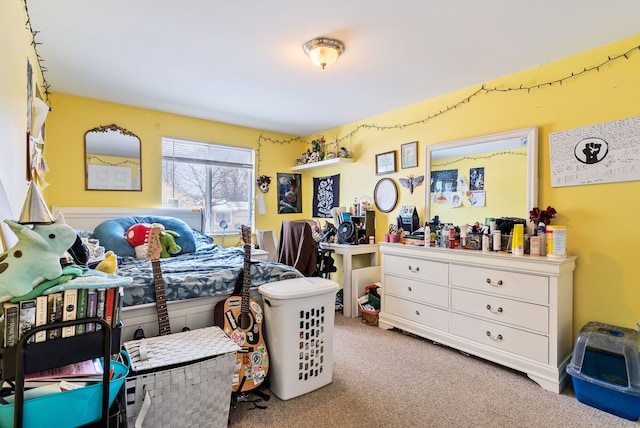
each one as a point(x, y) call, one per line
point(203, 275)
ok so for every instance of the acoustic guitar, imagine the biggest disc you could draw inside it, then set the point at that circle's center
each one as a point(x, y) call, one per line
point(241, 319)
point(154, 248)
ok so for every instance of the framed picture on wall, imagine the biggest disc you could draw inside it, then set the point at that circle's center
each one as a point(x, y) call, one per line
point(409, 155)
point(386, 163)
point(289, 193)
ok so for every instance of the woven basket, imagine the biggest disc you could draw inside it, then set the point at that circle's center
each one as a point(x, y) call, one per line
point(186, 377)
point(369, 317)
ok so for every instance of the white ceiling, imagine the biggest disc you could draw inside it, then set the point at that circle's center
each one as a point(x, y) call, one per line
point(242, 62)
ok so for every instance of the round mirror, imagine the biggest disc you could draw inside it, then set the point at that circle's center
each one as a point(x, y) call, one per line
point(385, 195)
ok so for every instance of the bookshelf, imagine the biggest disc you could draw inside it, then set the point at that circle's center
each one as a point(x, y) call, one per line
point(27, 358)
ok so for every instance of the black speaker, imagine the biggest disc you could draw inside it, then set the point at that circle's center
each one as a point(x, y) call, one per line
point(347, 233)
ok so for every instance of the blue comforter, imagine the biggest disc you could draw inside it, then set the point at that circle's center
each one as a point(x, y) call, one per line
point(210, 271)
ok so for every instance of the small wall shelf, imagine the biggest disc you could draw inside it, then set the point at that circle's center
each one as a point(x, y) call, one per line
point(322, 164)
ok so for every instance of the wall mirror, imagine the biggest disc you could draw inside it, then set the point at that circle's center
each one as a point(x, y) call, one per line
point(476, 178)
point(112, 159)
point(385, 195)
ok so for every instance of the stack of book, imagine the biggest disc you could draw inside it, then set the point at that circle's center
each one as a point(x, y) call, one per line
point(71, 304)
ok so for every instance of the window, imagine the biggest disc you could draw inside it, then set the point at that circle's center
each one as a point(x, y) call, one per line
point(215, 177)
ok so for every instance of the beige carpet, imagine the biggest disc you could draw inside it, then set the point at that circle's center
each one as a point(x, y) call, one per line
point(390, 379)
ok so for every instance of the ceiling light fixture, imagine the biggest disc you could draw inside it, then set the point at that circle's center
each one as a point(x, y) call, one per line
point(323, 51)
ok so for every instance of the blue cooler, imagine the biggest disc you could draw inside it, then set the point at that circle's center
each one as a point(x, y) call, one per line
point(605, 368)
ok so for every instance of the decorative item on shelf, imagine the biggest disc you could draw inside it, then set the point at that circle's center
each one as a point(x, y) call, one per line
point(317, 147)
point(263, 183)
point(344, 152)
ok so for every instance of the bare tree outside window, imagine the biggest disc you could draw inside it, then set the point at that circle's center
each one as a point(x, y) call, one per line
point(214, 177)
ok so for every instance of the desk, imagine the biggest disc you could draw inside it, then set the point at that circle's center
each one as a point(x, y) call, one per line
point(347, 252)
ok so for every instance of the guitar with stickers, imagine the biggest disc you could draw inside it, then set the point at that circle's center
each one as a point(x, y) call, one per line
point(241, 318)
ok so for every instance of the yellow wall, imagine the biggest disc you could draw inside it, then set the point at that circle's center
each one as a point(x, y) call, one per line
point(72, 116)
point(15, 48)
point(605, 282)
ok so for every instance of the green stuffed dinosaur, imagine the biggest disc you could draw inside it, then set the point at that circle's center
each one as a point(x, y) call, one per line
point(168, 243)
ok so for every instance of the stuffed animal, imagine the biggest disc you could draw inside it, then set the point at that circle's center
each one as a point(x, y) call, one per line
point(138, 236)
point(35, 257)
point(109, 264)
point(168, 242)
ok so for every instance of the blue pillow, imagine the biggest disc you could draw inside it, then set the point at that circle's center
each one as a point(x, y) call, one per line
point(112, 233)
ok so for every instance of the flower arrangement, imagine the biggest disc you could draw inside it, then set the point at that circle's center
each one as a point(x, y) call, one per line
point(542, 216)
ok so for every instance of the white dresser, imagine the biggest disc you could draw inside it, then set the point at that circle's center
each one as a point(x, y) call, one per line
point(516, 311)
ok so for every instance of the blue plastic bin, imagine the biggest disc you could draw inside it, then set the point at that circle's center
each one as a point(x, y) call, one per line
point(70, 408)
point(605, 369)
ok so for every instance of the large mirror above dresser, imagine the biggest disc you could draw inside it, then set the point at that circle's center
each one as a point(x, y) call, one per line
point(487, 176)
point(514, 310)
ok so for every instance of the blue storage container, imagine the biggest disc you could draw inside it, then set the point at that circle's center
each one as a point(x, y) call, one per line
point(605, 369)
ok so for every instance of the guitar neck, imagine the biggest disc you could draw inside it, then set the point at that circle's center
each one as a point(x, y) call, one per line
point(246, 279)
point(161, 299)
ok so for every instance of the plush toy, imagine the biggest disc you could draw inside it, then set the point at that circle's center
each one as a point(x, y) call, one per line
point(168, 242)
point(138, 236)
point(35, 257)
point(109, 264)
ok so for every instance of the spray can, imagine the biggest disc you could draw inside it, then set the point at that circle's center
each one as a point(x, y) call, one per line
point(486, 242)
point(497, 240)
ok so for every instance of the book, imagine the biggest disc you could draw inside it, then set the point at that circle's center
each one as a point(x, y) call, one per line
point(81, 309)
point(88, 368)
point(92, 307)
point(102, 294)
point(69, 310)
point(27, 319)
point(108, 305)
point(117, 310)
point(11, 321)
point(41, 317)
point(54, 314)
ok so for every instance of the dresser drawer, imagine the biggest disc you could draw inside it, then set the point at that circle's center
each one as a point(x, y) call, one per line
point(416, 290)
point(520, 314)
point(525, 344)
point(415, 268)
point(412, 311)
point(532, 288)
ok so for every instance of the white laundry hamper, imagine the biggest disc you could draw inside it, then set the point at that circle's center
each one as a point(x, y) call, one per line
point(299, 318)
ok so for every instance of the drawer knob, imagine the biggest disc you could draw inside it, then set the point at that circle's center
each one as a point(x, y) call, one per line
point(414, 270)
point(495, 311)
point(497, 338)
point(409, 288)
point(418, 313)
point(497, 284)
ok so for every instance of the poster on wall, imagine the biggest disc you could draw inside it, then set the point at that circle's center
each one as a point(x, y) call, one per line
point(603, 153)
point(289, 193)
point(326, 195)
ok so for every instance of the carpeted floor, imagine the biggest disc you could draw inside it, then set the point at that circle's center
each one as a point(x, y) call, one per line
point(390, 379)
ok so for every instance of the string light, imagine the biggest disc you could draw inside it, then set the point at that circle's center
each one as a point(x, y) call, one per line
point(103, 162)
point(482, 157)
point(39, 59)
point(465, 100)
